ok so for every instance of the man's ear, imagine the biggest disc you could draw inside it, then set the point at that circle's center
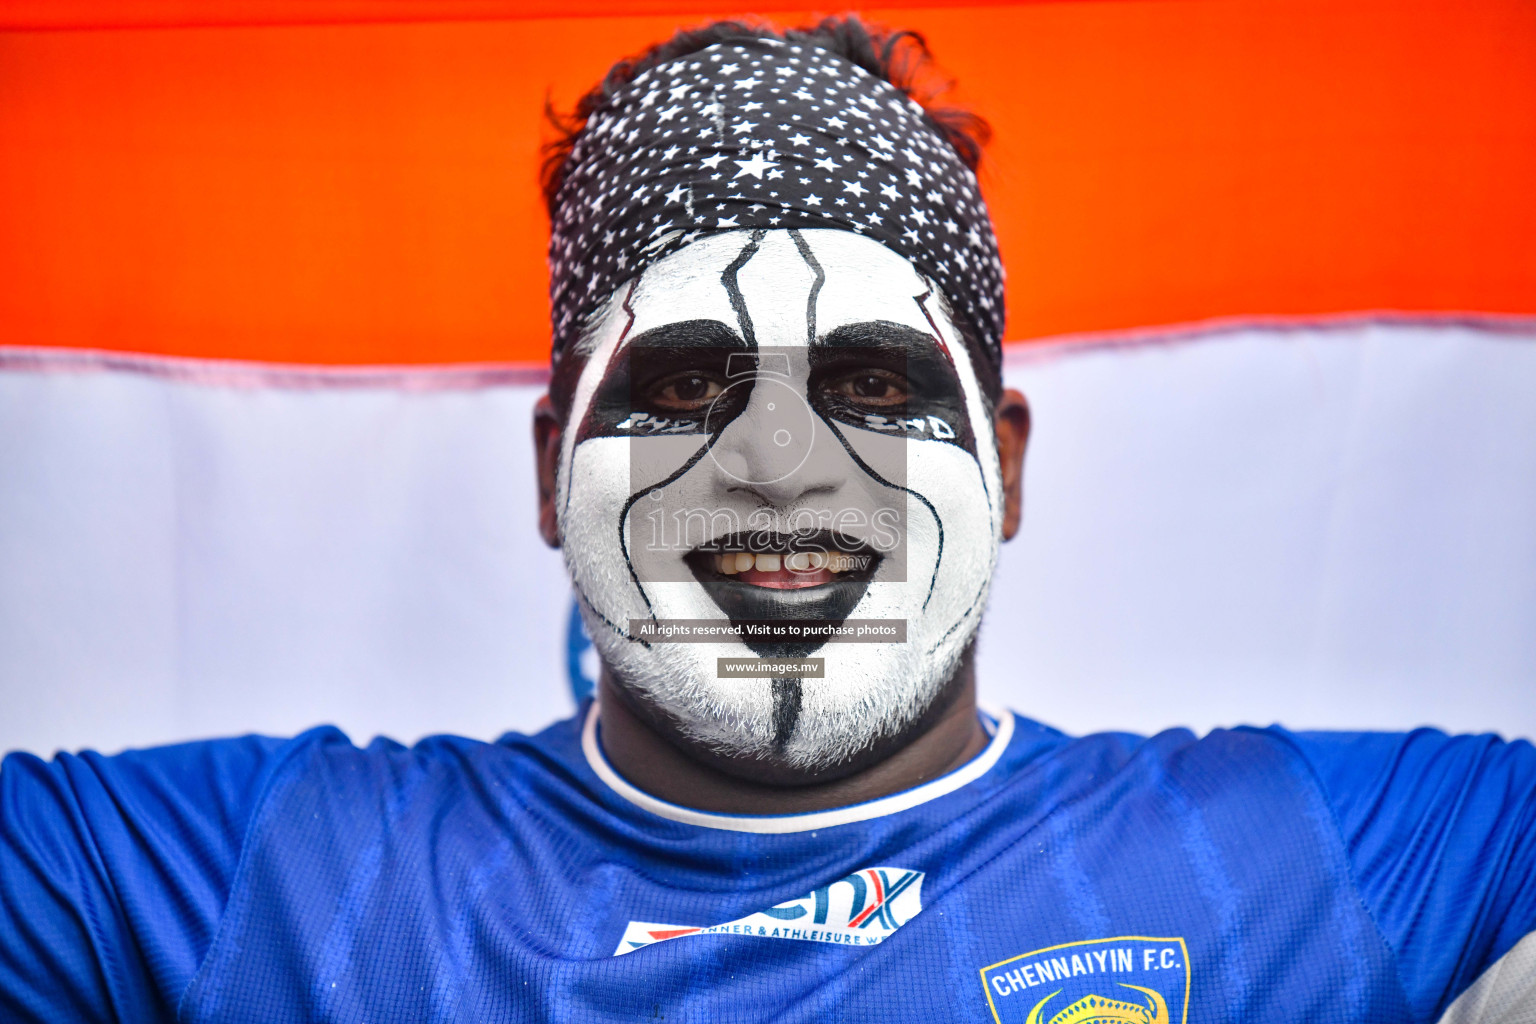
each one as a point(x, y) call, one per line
point(547, 432)
point(1012, 427)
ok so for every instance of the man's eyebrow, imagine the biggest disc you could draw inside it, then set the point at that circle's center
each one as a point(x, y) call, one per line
point(689, 334)
point(882, 334)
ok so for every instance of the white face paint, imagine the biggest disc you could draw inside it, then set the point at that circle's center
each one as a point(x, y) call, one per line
point(757, 392)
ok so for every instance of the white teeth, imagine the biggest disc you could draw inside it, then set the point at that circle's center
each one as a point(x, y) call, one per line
point(733, 562)
point(805, 561)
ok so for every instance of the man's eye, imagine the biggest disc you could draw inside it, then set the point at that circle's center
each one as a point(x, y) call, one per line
point(872, 388)
point(685, 392)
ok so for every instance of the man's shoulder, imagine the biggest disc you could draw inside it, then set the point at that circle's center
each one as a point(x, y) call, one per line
point(227, 782)
point(1222, 757)
point(325, 778)
point(1340, 760)
point(217, 780)
point(331, 745)
point(1358, 783)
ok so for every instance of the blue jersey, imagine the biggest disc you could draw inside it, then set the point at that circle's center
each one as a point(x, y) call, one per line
point(1253, 875)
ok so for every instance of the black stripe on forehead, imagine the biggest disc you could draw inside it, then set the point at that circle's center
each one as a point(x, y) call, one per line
point(821, 279)
point(733, 288)
point(986, 363)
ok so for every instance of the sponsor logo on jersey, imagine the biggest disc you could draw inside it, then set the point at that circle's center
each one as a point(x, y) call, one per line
point(861, 909)
point(1130, 979)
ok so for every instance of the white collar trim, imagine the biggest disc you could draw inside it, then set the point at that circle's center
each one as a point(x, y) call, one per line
point(778, 824)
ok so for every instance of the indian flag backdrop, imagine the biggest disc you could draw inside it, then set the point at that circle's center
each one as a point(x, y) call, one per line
point(273, 317)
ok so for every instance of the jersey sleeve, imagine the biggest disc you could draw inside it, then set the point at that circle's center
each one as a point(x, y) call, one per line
point(1441, 836)
point(114, 872)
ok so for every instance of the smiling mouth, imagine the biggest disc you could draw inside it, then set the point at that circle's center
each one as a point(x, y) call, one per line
point(781, 562)
point(822, 589)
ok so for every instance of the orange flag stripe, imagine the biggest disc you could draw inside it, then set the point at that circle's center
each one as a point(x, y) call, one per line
point(97, 14)
point(366, 193)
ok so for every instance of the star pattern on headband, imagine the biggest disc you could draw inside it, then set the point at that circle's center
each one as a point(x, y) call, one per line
point(765, 134)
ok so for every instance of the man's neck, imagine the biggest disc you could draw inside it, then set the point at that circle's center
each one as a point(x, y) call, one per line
point(659, 765)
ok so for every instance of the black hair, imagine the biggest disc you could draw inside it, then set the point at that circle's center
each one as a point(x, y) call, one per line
point(899, 57)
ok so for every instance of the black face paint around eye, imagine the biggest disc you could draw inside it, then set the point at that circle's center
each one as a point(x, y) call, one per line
point(626, 402)
point(933, 401)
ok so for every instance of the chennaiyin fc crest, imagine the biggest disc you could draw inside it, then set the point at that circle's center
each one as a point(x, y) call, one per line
point(1131, 979)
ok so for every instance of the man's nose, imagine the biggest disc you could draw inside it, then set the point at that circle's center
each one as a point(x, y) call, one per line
point(777, 448)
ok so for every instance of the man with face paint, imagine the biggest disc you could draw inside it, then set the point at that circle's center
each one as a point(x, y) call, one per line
point(779, 461)
point(777, 404)
point(780, 426)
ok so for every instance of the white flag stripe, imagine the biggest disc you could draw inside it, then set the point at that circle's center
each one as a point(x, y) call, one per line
point(1330, 527)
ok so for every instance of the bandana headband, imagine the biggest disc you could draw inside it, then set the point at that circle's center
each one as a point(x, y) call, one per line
point(765, 134)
